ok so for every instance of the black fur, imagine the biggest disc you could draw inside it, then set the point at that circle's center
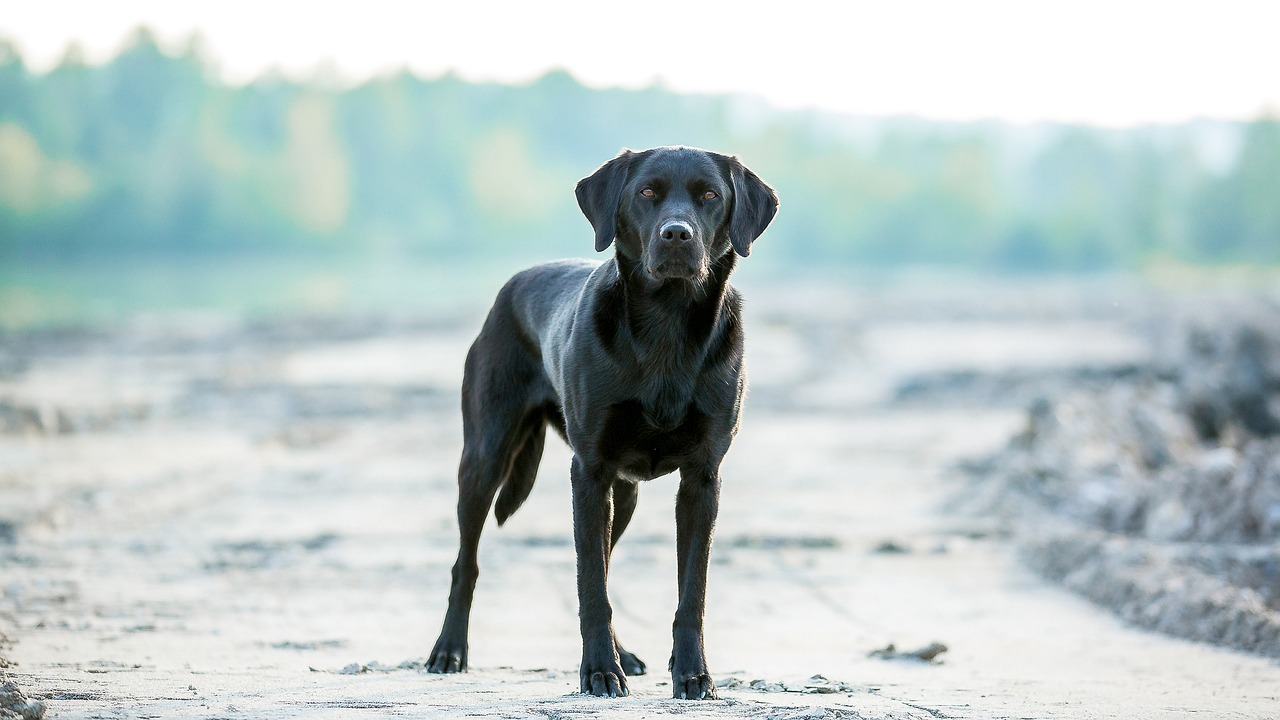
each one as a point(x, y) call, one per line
point(637, 362)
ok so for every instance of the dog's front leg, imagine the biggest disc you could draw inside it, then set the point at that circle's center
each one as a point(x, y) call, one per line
point(697, 503)
point(601, 670)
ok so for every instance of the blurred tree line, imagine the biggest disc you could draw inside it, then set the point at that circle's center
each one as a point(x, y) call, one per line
point(150, 154)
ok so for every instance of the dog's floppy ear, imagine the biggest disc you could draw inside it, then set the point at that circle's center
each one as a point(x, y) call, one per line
point(599, 195)
point(754, 205)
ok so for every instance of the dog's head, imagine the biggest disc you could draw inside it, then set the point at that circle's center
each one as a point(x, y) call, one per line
point(676, 210)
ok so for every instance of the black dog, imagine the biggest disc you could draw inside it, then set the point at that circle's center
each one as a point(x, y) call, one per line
point(637, 363)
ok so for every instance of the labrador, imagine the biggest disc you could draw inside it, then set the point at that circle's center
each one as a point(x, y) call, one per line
point(638, 363)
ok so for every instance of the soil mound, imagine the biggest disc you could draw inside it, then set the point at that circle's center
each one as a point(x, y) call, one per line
point(1158, 494)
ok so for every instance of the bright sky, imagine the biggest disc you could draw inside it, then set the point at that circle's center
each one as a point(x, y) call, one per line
point(1114, 62)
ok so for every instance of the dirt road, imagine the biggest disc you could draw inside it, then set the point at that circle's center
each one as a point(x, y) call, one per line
point(205, 519)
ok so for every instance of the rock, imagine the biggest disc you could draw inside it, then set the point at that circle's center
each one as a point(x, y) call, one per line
point(1170, 520)
point(15, 705)
point(929, 653)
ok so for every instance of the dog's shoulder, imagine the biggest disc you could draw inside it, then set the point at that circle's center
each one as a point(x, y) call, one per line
point(555, 271)
point(537, 298)
point(549, 281)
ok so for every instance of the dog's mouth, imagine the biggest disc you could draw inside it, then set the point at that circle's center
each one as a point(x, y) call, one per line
point(676, 270)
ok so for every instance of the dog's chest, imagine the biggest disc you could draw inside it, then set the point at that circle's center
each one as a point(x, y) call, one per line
point(665, 401)
point(644, 441)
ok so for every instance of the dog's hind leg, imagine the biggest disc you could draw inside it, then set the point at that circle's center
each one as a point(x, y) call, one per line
point(624, 506)
point(478, 480)
point(500, 438)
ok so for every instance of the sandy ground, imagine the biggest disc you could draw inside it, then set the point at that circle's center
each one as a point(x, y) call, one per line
point(207, 519)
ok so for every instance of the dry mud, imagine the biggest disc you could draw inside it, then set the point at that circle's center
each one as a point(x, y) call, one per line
point(206, 518)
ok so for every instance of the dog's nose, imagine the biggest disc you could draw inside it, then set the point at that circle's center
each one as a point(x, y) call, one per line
point(676, 232)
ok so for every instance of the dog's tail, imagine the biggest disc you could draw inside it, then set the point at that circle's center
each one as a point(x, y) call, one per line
point(524, 468)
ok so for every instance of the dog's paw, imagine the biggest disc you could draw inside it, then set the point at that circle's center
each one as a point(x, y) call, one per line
point(691, 681)
point(603, 679)
point(631, 665)
point(693, 686)
point(447, 657)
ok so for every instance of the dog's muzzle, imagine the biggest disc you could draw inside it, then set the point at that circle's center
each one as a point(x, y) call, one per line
point(676, 253)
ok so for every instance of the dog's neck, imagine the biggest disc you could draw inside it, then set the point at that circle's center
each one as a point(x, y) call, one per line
point(675, 329)
point(676, 317)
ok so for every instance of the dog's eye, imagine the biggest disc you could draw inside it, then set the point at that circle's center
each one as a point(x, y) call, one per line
point(709, 195)
point(647, 192)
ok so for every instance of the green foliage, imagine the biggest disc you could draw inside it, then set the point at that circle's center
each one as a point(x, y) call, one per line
point(1239, 214)
point(150, 154)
